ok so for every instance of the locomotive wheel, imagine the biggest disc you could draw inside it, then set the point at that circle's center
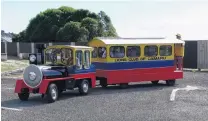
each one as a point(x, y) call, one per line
point(23, 96)
point(123, 85)
point(155, 82)
point(84, 87)
point(52, 93)
point(170, 82)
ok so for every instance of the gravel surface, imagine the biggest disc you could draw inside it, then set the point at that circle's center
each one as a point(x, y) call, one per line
point(140, 102)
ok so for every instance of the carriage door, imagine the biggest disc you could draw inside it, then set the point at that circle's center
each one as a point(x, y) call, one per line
point(86, 59)
point(79, 60)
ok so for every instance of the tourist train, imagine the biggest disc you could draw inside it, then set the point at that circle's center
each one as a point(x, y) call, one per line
point(111, 61)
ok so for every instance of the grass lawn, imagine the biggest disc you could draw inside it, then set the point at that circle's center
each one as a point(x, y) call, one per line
point(10, 65)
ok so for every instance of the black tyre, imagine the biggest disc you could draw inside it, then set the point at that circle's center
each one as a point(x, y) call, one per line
point(124, 85)
point(23, 96)
point(52, 93)
point(83, 87)
point(155, 82)
point(103, 84)
point(170, 82)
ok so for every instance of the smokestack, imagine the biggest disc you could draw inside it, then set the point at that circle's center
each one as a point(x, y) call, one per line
point(178, 36)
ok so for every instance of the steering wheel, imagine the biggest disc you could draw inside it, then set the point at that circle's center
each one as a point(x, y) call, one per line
point(70, 61)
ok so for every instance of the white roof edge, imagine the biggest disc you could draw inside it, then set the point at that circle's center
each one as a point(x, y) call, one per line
point(78, 46)
point(131, 37)
point(140, 40)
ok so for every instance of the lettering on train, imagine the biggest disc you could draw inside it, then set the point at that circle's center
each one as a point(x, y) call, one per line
point(136, 59)
point(133, 59)
point(120, 60)
point(142, 58)
point(157, 58)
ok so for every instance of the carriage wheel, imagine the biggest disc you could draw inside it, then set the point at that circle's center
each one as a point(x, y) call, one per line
point(103, 83)
point(124, 85)
point(155, 82)
point(170, 82)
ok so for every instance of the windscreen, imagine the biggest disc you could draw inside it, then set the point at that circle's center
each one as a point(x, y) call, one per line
point(55, 56)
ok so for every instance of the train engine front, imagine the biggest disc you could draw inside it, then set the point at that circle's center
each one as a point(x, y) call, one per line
point(56, 74)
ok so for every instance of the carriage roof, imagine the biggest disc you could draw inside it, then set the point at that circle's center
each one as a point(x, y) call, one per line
point(109, 41)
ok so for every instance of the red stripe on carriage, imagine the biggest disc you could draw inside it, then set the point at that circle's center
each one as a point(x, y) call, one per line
point(136, 75)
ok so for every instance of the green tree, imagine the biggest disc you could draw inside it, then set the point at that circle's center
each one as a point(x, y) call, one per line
point(105, 26)
point(67, 24)
point(91, 25)
point(72, 31)
point(66, 14)
point(44, 26)
point(19, 37)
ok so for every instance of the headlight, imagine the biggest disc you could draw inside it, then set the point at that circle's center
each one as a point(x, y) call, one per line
point(32, 76)
point(32, 58)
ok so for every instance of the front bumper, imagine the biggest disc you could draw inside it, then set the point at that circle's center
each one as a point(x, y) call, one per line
point(21, 87)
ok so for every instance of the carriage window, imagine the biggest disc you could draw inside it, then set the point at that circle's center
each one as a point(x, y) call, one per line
point(151, 50)
point(94, 52)
point(117, 52)
point(102, 52)
point(133, 51)
point(87, 59)
point(79, 59)
point(165, 50)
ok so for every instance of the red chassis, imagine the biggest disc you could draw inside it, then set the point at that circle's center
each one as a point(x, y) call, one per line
point(168, 74)
point(45, 82)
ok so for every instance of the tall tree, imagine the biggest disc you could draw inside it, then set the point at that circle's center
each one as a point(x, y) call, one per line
point(19, 37)
point(106, 27)
point(72, 31)
point(67, 24)
point(91, 25)
point(66, 14)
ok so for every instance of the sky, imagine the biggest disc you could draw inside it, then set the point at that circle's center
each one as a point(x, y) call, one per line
point(131, 18)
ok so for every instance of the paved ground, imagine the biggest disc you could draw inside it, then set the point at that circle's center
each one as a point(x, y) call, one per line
point(141, 102)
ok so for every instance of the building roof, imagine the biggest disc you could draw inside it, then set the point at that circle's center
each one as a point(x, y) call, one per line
point(140, 40)
point(6, 39)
